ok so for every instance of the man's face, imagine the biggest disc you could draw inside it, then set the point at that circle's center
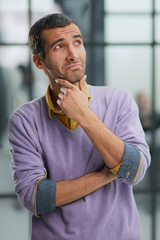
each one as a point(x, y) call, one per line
point(65, 53)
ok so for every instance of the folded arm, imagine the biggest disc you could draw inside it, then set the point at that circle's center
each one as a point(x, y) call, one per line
point(125, 151)
point(51, 194)
point(37, 193)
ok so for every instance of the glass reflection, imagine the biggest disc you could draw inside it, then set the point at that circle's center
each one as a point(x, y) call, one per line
point(13, 215)
point(157, 25)
point(157, 74)
point(144, 209)
point(6, 182)
point(157, 216)
point(40, 82)
point(13, 21)
point(41, 8)
point(157, 3)
point(128, 29)
point(130, 68)
point(130, 6)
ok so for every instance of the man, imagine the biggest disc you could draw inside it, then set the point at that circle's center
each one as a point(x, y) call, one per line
point(78, 150)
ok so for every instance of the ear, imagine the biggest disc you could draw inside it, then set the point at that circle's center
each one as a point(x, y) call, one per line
point(38, 61)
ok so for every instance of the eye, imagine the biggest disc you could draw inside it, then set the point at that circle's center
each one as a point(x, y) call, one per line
point(57, 47)
point(78, 42)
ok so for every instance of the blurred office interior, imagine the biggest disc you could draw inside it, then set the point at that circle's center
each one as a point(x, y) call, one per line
point(122, 40)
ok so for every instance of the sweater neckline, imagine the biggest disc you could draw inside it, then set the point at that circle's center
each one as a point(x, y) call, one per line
point(63, 128)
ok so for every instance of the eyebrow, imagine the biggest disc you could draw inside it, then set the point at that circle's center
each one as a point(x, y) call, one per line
point(57, 41)
point(62, 39)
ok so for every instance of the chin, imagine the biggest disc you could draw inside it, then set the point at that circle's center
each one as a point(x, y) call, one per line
point(75, 78)
point(74, 81)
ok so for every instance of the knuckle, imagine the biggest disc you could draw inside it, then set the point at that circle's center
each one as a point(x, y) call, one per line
point(69, 92)
point(62, 104)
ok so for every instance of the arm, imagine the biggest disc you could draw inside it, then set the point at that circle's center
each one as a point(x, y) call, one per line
point(71, 190)
point(75, 104)
point(48, 197)
point(101, 137)
point(125, 151)
point(37, 193)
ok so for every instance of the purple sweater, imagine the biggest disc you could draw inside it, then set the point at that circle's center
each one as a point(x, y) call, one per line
point(45, 147)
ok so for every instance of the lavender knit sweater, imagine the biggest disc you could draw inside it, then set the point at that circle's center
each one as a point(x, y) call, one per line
point(42, 146)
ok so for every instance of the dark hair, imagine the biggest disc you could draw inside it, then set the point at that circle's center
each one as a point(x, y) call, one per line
point(50, 21)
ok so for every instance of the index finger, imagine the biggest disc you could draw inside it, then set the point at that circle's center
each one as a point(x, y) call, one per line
point(64, 83)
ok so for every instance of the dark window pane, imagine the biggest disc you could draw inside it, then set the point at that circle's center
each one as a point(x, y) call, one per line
point(80, 11)
point(95, 65)
point(14, 84)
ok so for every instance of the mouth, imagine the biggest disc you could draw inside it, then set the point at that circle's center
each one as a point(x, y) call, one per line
point(73, 67)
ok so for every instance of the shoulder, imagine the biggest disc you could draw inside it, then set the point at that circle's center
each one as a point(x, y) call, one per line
point(108, 94)
point(107, 90)
point(30, 109)
point(25, 121)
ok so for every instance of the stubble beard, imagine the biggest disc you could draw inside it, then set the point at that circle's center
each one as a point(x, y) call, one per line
point(72, 77)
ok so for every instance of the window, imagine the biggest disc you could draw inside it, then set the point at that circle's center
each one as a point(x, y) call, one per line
point(122, 40)
point(131, 40)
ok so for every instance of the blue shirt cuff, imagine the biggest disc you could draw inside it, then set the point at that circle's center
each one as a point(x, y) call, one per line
point(46, 194)
point(130, 164)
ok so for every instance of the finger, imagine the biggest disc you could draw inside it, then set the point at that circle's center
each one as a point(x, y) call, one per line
point(63, 90)
point(83, 78)
point(59, 102)
point(60, 95)
point(64, 83)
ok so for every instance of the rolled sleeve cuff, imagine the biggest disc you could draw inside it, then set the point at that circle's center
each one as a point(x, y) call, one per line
point(129, 167)
point(45, 196)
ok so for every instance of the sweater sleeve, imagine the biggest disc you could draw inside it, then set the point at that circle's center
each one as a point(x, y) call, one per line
point(136, 158)
point(29, 172)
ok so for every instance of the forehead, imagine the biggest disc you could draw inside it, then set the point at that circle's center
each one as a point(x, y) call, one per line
point(62, 32)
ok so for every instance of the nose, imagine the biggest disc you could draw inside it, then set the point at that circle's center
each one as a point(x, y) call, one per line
point(72, 54)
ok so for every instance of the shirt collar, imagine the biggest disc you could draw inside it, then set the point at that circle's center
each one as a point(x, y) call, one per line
point(51, 108)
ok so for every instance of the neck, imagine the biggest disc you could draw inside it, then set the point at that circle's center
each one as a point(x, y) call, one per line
point(54, 91)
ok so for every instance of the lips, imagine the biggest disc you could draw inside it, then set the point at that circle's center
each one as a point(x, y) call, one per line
point(73, 66)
